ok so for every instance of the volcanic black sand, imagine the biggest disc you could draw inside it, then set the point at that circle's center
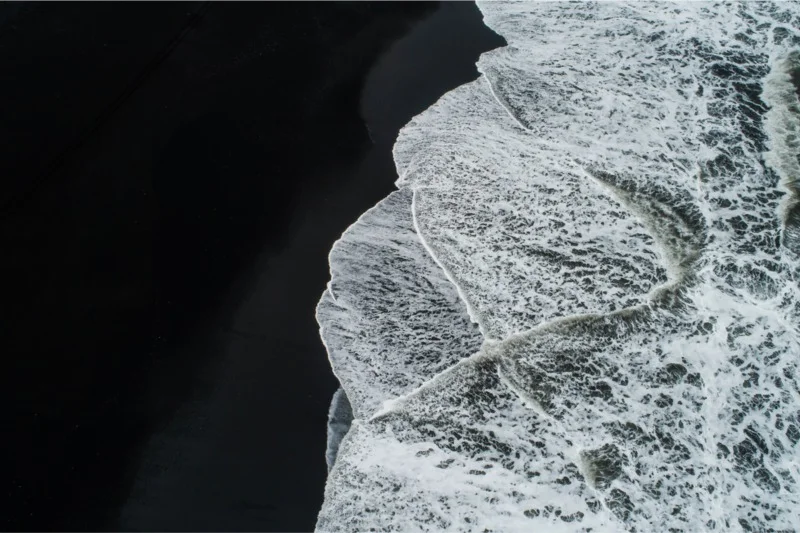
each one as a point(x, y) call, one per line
point(173, 177)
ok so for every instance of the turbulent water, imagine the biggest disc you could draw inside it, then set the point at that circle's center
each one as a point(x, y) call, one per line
point(580, 311)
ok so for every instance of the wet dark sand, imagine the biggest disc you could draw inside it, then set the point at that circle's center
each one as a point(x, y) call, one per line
point(173, 179)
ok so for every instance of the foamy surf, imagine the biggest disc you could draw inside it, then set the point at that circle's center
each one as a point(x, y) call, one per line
point(608, 203)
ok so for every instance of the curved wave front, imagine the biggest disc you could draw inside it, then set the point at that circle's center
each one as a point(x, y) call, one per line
point(580, 311)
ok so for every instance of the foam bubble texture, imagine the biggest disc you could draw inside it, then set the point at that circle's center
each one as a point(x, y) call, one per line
point(526, 232)
point(614, 204)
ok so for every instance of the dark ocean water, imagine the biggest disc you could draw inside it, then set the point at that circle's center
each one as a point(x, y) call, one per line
point(173, 180)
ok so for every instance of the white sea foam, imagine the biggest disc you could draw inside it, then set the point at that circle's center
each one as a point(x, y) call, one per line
point(609, 200)
point(390, 319)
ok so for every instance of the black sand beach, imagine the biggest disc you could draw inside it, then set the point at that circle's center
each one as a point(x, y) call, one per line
point(174, 176)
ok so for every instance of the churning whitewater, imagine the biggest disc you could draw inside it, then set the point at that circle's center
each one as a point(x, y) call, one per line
point(580, 311)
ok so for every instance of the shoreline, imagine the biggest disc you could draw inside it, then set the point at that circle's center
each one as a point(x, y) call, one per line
point(367, 180)
point(167, 372)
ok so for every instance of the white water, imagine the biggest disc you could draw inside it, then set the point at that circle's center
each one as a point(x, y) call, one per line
point(605, 204)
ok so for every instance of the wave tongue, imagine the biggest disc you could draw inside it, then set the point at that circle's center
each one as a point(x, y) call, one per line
point(390, 319)
point(464, 455)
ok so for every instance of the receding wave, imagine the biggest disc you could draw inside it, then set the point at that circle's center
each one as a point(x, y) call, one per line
point(581, 311)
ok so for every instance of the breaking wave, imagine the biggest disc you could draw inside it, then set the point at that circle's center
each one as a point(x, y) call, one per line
point(580, 310)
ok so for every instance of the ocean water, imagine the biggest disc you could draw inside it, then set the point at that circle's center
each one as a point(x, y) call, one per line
point(580, 311)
